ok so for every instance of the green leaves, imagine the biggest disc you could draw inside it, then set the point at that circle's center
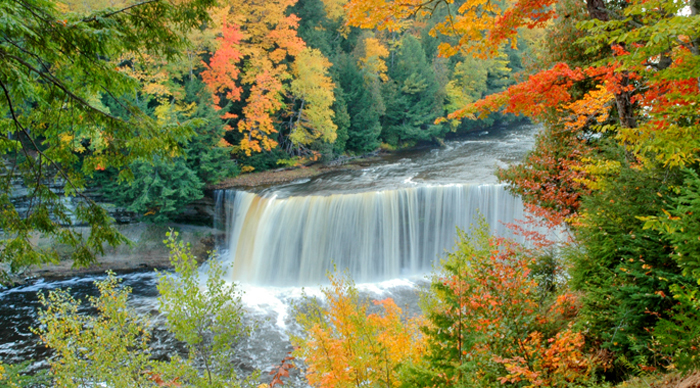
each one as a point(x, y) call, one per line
point(55, 71)
point(206, 315)
point(110, 347)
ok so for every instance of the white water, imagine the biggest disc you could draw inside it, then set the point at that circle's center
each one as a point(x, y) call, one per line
point(375, 235)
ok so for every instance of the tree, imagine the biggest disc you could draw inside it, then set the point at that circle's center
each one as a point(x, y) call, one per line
point(110, 347)
point(159, 191)
point(162, 188)
point(207, 315)
point(314, 90)
point(413, 100)
point(111, 344)
point(258, 40)
point(627, 271)
point(364, 105)
point(55, 68)
point(490, 323)
point(344, 346)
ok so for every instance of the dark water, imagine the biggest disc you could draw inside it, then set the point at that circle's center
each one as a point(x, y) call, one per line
point(268, 309)
point(18, 310)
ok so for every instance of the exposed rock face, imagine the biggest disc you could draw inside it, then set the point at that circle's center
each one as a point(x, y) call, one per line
point(146, 250)
point(200, 212)
point(22, 199)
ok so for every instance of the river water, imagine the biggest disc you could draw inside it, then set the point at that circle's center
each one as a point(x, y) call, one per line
point(387, 224)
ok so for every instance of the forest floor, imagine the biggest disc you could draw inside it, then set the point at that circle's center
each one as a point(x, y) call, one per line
point(145, 251)
point(660, 380)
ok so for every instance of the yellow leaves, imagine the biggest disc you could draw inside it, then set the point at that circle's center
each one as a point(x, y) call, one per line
point(373, 59)
point(344, 345)
point(259, 37)
point(152, 72)
point(335, 10)
point(380, 14)
point(314, 88)
point(246, 169)
point(594, 106)
point(596, 170)
point(66, 138)
point(167, 112)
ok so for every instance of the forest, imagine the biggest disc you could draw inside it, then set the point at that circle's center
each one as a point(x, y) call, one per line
point(155, 100)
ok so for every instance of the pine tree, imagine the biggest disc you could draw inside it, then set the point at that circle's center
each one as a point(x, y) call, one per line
point(412, 96)
point(365, 107)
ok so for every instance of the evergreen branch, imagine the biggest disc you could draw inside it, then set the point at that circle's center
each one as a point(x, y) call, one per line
point(60, 170)
point(48, 77)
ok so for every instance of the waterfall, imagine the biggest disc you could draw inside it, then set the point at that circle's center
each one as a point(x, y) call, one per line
point(374, 235)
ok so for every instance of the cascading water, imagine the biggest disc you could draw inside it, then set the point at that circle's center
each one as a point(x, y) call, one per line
point(374, 235)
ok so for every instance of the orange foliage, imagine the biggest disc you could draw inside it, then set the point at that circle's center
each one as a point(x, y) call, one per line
point(558, 361)
point(482, 26)
point(494, 307)
point(222, 71)
point(344, 346)
point(257, 39)
point(551, 180)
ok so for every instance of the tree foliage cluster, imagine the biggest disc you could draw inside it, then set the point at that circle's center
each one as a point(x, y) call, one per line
point(111, 345)
point(493, 314)
point(616, 86)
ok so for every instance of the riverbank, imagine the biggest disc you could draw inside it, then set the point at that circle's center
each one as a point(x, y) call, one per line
point(287, 175)
point(145, 251)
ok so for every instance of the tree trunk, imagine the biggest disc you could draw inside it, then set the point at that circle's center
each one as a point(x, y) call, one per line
point(623, 99)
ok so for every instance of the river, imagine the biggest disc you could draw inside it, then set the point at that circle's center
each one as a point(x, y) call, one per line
point(387, 224)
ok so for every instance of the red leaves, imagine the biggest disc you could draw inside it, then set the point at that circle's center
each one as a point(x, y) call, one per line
point(281, 370)
point(493, 298)
point(222, 72)
point(550, 180)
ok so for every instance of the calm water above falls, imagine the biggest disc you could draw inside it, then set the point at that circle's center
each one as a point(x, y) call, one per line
point(472, 160)
point(441, 178)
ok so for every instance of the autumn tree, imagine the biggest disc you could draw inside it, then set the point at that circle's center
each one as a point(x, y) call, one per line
point(490, 323)
point(344, 345)
point(620, 116)
point(258, 41)
point(313, 89)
